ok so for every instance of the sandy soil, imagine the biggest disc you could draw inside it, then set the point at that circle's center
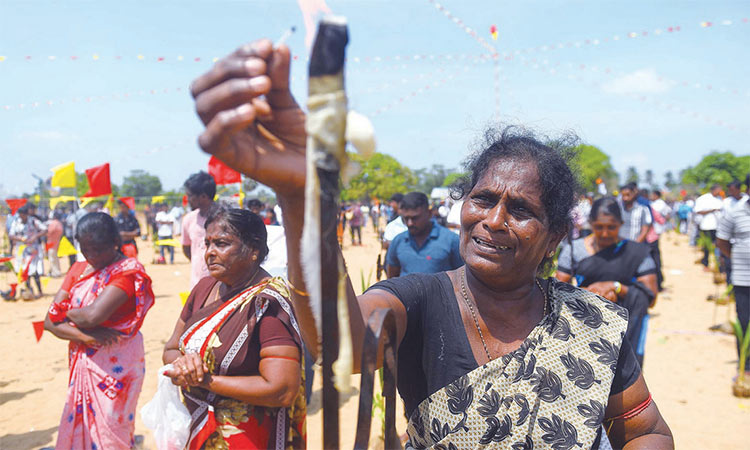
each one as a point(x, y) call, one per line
point(688, 368)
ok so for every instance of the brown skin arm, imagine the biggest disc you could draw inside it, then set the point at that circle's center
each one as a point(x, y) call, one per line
point(106, 303)
point(172, 347)
point(276, 386)
point(186, 251)
point(644, 231)
point(647, 430)
point(64, 330)
point(724, 247)
point(392, 271)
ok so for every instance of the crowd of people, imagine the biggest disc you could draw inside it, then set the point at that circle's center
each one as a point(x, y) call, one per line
point(521, 306)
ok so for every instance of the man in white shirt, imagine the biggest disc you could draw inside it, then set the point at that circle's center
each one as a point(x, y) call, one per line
point(395, 226)
point(708, 207)
point(734, 195)
point(164, 229)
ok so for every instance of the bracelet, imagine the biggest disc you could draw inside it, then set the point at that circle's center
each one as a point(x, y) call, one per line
point(630, 414)
point(618, 287)
point(297, 291)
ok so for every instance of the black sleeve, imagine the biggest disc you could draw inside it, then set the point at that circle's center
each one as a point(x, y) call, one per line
point(409, 290)
point(628, 369)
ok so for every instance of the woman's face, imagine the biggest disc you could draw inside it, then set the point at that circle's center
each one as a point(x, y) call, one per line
point(503, 255)
point(97, 254)
point(227, 258)
point(606, 230)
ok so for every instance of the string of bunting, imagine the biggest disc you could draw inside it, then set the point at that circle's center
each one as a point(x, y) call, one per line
point(93, 98)
point(544, 66)
point(460, 23)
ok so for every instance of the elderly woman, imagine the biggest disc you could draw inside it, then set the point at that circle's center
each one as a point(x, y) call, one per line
point(99, 309)
point(236, 349)
point(490, 354)
point(619, 270)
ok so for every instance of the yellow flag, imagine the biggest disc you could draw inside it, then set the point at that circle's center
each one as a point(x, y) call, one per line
point(37, 198)
point(45, 281)
point(85, 201)
point(64, 175)
point(110, 205)
point(66, 248)
point(169, 242)
point(184, 296)
point(158, 199)
point(53, 202)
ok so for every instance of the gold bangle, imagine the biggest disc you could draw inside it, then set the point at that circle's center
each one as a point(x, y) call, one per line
point(297, 291)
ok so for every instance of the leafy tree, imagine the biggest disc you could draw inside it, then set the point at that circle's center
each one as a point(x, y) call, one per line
point(632, 175)
point(380, 176)
point(452, 178)
point(669, 181)
point(140, 184)
point(248, 184)
point(592, 164)
point(432, 177)
point(717, 167)
point(649, 175)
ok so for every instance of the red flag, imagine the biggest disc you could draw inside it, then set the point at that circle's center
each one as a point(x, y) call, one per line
point(5, 259)
point(129, 201)
point(98, 181)
point(38, 329)
point(49, 246)
point(222, 173)
point(13, 287)
point(15, 203)
point(184, 201)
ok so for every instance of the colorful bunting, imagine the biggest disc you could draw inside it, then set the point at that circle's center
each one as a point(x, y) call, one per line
point(222, 173)
point(45, 281)
point(66, 248)
point(493, 32)
point(15, 203)
point(38, 329)
point(99, 183)
point(128, 201)
point(64, 175)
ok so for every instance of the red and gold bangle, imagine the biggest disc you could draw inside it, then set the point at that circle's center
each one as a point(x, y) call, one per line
point(632, 413)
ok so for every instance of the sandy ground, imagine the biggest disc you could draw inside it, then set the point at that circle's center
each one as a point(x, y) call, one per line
point(688, 368)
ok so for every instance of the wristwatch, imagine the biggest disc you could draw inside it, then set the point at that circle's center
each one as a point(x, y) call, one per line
point(618, 287)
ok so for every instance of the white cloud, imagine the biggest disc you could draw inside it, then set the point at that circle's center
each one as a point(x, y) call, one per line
point(644, 81)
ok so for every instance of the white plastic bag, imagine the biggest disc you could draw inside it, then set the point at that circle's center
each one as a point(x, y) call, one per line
point(166, 415)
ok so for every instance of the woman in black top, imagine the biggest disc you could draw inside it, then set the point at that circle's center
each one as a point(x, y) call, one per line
point(621, 271)
point(536, 359)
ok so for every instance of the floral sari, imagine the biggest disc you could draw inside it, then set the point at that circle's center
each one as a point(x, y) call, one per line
point(105, 381)
point(550, 393)
point(220, 334)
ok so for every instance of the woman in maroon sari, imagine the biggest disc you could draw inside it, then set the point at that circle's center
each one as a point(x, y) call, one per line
point(236, 349)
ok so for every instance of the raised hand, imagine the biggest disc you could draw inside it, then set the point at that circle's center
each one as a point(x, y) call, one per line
point(252, 121)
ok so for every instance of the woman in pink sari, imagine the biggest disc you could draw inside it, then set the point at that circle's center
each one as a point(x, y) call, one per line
point(99, 309)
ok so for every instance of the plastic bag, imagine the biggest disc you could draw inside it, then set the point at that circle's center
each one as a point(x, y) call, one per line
point(166, 416)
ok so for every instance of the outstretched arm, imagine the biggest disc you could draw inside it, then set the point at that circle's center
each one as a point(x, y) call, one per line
point(254, 125)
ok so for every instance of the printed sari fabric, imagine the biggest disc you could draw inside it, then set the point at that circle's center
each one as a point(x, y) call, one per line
point(549, 393)
point(105, 382)
point(220, 333)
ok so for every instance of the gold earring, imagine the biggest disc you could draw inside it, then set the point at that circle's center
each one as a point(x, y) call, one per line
point(255, 257)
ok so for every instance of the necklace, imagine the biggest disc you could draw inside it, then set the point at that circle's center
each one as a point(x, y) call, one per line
point(474, 316)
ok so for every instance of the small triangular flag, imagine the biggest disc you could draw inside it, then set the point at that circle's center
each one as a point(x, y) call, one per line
point(45, 282)
point(66, 248)
point(38, 329)
point(184, 296)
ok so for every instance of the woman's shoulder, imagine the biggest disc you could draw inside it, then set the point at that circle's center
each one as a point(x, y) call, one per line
point(413, 281)
point(587, 307)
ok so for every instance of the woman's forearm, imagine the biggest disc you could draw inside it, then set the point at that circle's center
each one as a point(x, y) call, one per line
point(63, 330)
point(254, 390)
point(170, 354)
point(650, 442)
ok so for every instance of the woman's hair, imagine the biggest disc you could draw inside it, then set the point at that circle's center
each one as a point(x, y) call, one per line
point(552, 159)
point(607, 206)
point(243, 223)
point(201, 183)
point(98, 228)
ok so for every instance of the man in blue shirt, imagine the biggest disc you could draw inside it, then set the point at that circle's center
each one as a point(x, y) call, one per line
point(426, 247)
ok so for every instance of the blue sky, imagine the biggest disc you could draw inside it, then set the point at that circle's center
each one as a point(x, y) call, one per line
point(644, 100)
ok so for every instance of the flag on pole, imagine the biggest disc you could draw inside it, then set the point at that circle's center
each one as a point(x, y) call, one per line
point(54, 201)
point(184, 296)
point(99, 183)
point(129, 202)
point(222, 173)
point(64, 175)
point(158, 199)
point(66, 248)
point(110, 205)
point(15, 203)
